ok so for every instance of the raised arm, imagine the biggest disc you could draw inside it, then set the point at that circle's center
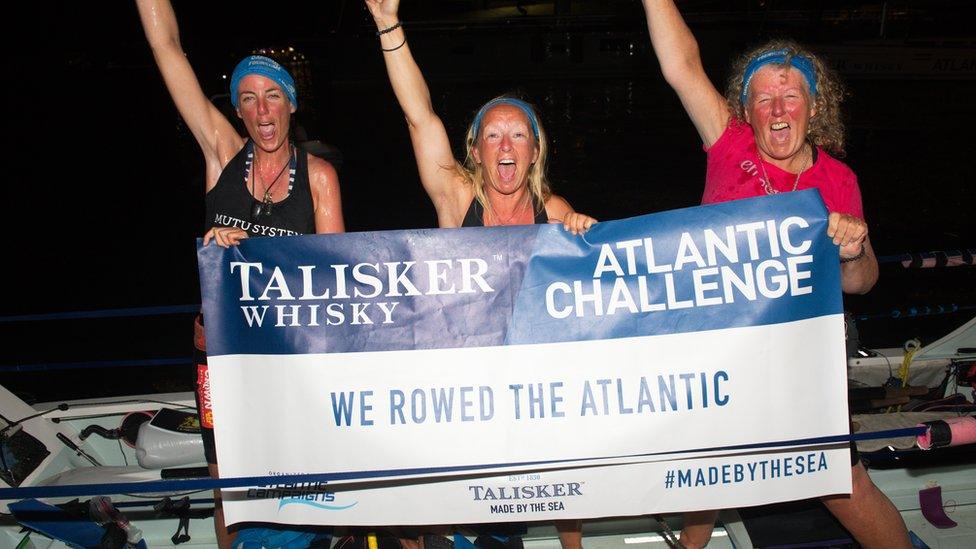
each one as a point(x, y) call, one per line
point(677, 53)
point(431, 146)
point(218, 139)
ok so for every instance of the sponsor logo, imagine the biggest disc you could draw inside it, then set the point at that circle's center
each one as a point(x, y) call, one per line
point(312, 494)
point(536, 491)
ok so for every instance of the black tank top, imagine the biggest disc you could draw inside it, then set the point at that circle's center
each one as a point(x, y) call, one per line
point(230, 203)
point(475, 216)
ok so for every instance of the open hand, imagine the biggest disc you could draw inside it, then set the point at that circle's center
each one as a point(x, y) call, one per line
point(384, 11)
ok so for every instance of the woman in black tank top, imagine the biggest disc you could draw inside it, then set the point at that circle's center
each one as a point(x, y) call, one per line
point(259, 186)
point(503, 179)
point(231, 204)
point(268, 187)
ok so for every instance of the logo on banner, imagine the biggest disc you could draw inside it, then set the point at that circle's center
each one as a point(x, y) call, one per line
point(312, 494)
point(525, 498)
point(328, 297)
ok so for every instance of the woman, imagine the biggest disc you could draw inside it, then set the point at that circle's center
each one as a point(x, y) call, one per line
point(503, 179)
point(258, 185)
point(772, 133)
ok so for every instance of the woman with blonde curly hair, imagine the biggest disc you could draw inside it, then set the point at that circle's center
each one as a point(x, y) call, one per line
point(774, 131)
point(826, 129)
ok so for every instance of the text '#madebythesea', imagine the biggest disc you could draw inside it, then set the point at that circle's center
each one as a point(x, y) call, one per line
point(751, 471)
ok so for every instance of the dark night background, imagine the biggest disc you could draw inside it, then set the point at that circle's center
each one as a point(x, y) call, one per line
point(104, 185)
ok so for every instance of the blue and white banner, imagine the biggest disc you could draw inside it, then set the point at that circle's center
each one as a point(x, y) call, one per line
point(677, 340)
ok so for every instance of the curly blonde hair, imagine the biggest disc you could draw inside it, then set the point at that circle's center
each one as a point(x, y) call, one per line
point(538, 183)
point(826, 128)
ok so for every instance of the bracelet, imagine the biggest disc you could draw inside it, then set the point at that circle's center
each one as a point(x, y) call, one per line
point(856, 257)
point(397, 47)
point(389, 29)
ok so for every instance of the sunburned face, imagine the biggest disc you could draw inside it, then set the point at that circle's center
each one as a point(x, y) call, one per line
point(779, 109)
point(506, 149)
point(266, 111)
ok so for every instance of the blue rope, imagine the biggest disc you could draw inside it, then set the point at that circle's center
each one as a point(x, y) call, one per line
point(164, 486)
point(44, 367)
point(965, 253)
point(106, 313)
point(920, 310)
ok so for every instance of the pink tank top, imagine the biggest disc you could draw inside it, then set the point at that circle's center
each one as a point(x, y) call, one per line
point(734, 173)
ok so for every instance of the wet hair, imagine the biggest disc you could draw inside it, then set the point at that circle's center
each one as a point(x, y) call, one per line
point(538, 182)
point(826, 128)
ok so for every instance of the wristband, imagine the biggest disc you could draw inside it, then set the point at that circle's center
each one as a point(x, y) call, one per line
point(856, 257)
point(389, 29)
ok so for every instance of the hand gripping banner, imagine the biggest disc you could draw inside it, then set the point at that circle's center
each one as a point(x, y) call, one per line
point(679, 360)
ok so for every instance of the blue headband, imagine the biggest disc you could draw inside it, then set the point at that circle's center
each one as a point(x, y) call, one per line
point(266, 67)
point(799, 62)
point(526, 108)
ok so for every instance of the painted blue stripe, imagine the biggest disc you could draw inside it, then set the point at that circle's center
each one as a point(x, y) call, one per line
point(106, 313)
point(164, 486)
point(54, 366)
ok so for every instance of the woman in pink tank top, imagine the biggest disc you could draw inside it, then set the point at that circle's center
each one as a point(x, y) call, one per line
point(774, 131)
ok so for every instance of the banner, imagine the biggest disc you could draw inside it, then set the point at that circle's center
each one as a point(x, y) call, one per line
point(667, 342)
